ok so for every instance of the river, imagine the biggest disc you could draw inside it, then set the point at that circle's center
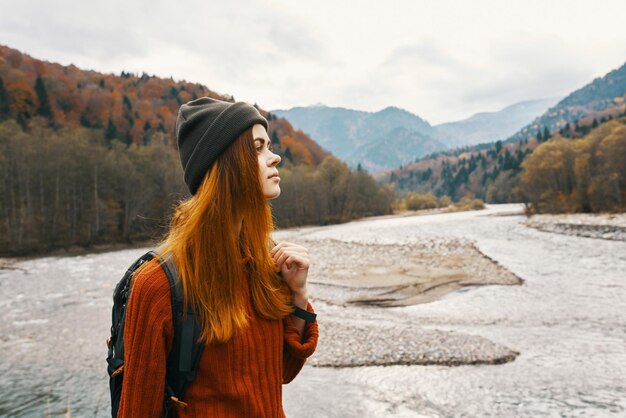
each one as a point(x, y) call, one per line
point(567, 321)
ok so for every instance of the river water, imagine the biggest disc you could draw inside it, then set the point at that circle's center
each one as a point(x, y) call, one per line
point(567, 321)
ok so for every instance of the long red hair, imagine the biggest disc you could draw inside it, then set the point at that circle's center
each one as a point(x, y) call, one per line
point(211, 261)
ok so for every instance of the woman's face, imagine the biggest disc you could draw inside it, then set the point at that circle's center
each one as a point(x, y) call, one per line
point(268, 161)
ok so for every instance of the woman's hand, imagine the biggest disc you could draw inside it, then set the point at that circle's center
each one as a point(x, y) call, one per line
point(293, 262)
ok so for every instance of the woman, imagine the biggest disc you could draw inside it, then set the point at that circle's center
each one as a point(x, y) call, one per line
point(228, 265)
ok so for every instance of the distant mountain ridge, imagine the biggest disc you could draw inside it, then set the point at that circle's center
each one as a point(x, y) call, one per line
point(366, 138)
point(394, 136)
point(491, 126)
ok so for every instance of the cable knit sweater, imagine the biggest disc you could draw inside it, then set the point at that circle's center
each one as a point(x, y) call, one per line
point(240, 378)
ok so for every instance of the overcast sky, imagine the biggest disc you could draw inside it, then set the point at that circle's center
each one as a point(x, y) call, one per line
point(442, 60)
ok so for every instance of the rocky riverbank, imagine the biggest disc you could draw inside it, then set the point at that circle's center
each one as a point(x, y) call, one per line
point(361, 292)
point(352, 337)
point(8, 264)
point(609, 226)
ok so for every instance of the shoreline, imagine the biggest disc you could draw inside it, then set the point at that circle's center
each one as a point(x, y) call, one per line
point(75, 250)
point(7, 261)
point(609, 226)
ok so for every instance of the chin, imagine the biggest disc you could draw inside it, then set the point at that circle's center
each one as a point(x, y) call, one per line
point(273, 194)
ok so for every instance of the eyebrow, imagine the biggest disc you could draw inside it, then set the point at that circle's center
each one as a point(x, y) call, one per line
point(269, 144)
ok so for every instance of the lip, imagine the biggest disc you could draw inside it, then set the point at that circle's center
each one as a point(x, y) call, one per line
point(273, 175)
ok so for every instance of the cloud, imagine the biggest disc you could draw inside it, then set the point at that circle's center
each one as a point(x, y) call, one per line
point(442, 61)
point(294, 39)
point(47, 34)
point(426, 52)
point(532, 66)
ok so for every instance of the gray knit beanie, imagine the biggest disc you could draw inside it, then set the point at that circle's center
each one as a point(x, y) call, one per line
point(205, 127)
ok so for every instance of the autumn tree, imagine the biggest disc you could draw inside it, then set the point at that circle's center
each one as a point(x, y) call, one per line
point(584, 175)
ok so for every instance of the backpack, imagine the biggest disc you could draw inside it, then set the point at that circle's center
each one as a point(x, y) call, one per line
point(182, 361)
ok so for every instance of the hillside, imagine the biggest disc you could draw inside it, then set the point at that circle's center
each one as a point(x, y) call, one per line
point(603, 93)
point(490, 171)
point(134, 109)
point(89, 161)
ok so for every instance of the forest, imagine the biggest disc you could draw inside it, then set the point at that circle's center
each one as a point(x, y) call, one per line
point(494, 172)
point(72, 187)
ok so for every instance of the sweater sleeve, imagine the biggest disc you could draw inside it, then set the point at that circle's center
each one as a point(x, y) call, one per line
point(295, 351)
point(148, 335)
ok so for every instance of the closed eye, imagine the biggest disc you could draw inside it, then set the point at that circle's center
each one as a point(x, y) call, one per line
point(262, 142)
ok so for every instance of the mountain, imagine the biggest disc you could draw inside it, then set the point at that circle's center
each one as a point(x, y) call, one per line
point(491, 171)
point(491, 126)
point(393, 136)
point(602, 93)
point(376, 140)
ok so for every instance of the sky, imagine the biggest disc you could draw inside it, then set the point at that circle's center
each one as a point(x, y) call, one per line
point(441, 60)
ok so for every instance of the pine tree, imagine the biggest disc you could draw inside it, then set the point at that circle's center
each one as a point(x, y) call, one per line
point(147, 135)
point(127, 103)
point(546, 133)
point(275, 140)
point(566, 130)
point(127, 112)
point(110, 132)
point(288, 155)
point(5, 109)
point(44, 104)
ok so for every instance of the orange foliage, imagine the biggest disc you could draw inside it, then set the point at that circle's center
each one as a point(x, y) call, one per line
point(299, 152)
point(78, 95)
point(22, 98)
point(302, 147)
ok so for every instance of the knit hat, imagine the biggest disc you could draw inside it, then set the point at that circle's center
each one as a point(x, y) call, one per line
point(205, 127)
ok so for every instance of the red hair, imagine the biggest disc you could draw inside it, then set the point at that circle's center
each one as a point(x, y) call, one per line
point(212, 263)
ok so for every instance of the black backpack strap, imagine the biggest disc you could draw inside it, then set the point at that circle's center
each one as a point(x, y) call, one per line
point(183, 360)
point(121, 295)
point(115, 357)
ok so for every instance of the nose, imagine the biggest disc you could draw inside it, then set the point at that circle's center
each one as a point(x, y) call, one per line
point(274, 160)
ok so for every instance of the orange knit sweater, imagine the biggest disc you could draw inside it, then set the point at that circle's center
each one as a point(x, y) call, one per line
point(240, 378)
